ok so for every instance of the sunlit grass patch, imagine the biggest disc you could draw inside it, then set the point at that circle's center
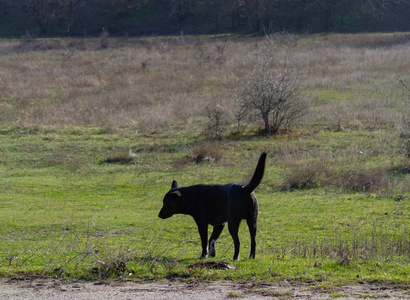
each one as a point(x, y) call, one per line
point(86, 161)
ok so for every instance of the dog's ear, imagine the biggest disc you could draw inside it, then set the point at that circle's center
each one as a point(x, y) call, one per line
point(178, 193)
point(174, 184)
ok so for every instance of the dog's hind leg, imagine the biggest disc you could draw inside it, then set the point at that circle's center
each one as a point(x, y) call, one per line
point(233, 227)
point(214, 236)
point(203, 232)
point(252, 224)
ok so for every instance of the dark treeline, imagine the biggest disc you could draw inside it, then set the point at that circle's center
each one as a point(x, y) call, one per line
point(145, 17)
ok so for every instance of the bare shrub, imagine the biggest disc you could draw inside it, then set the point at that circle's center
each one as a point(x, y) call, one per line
point(216, 120)
point(240, 113)
point(273, 92)
point(205, 152)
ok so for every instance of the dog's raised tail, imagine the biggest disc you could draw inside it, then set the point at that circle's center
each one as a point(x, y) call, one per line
point(257, 176)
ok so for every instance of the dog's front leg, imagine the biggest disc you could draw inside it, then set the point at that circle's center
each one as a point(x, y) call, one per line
point(203, 232)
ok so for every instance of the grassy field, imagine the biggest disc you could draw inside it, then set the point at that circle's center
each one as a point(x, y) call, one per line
point(92, 138)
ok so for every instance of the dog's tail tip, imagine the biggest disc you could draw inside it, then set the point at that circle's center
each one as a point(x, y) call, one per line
point(258, 175)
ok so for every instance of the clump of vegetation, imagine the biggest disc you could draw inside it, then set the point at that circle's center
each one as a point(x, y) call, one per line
point(112, 269)
point(363, 182)
point(122, 157)
point(216, 120)
point(205, 152)
point(317, 174)
point(306, 176)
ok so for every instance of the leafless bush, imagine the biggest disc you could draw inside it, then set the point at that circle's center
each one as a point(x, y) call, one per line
point(239, 113)
point(274, 93)
point(216, 120)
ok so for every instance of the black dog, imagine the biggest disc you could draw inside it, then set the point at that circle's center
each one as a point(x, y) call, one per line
point(217, 204)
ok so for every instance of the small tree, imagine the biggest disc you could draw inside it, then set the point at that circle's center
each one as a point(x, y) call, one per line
point(274, 94)
point(216, 120)
point(240, 113)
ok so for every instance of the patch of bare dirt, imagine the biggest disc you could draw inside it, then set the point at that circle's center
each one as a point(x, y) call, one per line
point(47, 289)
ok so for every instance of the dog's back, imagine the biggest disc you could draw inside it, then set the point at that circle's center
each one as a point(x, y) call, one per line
point(206, 202)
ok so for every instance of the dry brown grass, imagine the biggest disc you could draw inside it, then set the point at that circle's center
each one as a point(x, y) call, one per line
point(153, 83)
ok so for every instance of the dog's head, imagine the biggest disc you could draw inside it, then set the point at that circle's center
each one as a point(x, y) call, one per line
point(171, 202)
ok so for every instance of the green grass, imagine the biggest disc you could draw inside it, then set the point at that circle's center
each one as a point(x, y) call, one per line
point(65, 213)
point(91, 139)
